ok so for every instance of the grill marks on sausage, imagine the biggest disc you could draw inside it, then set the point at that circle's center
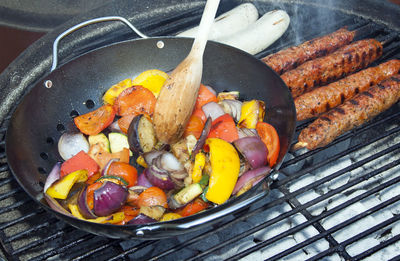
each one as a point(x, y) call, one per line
point(315, 102)
point(321, 70)
point(352, 113)
point(292, 57)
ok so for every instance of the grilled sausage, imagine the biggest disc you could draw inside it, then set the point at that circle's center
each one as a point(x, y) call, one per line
point(292, 57)
point(352, 113)
point(323, 70)
point(320, 100)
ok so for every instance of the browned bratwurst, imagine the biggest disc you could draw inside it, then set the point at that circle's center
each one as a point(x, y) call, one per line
point(338, 64)
point(292, 57)
point(352, 113)
point(320, 100)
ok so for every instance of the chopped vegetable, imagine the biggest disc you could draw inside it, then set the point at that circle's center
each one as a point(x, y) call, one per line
point(170, 216)
point(112, 219)
point(70, 144)
point(270, 137)
point(193, 207)
point(135, 100)
point(109, 198)
point(199, 162)
point(194, 127)
point(80, 161)
point(100, 139)
point(153, 196)
point(60, 189)
point(224, 128)
point(125, 121)
point(155, 212)
point(125, 171)
point(118, 142)
point(234, 95)
point(188, 193)
point(102, 157)
point(141, 135)
point(225, 165)
point(115, 90)
point(94, 122)
point(204, 96)
point(253, 150)
point(152, 80)
point(252, 112)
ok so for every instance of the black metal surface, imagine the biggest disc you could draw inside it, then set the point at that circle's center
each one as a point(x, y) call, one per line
point(89, 76)
point(241, 235)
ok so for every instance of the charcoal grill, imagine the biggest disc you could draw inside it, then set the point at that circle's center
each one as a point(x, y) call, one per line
point(341, 202)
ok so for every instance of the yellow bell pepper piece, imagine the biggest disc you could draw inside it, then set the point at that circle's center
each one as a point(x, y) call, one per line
point(115, 90)
point(170, 216)
point(152, 80)
point(112, 219)
point(199, 162)
point(140, 160)
point(225, 165)
point(252, 112)
point(60, 189)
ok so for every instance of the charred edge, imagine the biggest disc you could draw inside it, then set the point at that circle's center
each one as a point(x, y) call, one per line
point(340, 110)
point(354, 102)
point(396, 79)
point(356, 90)
point(342, 98)
point(371, 83)
point(381, 86)
point(357, 58)
point(364, 58)
point(368, 94)
point(327, 106)
point(325, 119)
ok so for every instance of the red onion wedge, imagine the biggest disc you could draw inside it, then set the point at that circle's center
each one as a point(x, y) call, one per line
point(141, 219)
point(253, 149)
point(202, 139)
point(53, 204)
point(70, 144)
point(82, 205)
point(150, 156)
point(159, 178)
point(251, 178)
point(104, 172)
point(143, 181)
point(109, 198)
point(53, 176)
point(213, 110)
point(232, 107)
point(245, 132)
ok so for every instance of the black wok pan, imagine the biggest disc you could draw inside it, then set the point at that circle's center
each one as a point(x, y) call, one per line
point(76, 87)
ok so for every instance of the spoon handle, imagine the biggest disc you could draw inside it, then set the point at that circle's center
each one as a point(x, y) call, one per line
point(206, 22)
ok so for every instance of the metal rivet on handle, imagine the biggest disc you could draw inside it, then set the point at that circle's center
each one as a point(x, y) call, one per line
point(160, 44)
point(140, 233)
point(48, 84)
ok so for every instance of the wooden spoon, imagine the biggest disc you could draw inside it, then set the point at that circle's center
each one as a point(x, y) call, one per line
point(178, 95)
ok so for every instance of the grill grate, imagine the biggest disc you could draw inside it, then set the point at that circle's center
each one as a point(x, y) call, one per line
point(356, 176)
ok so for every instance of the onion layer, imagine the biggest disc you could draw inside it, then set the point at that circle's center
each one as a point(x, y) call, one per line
point(53, 176)
point(141, 219)
point(251, 178)
point(143, 181)
point(213, 110)
point(109, 198)
point(159, 178)
point(82, 205)
point(70, 144)
point(202, 139)
point(253, 149)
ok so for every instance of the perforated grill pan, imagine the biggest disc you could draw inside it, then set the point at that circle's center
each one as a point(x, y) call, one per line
point(77, 87)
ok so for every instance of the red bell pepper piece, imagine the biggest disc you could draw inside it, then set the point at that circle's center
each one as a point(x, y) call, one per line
point(80, 161)
point(224, 128)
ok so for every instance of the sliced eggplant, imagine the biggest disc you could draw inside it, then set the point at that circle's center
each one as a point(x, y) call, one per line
point(141, 135)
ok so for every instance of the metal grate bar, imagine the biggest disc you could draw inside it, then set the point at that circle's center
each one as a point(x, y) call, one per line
point(332, 242)
point(130, 251)
point(362, 234)
point(331, 211)
point(10, 193)
point(22, 218)
point(64, 247)
point(92, 250)
point(15, 205)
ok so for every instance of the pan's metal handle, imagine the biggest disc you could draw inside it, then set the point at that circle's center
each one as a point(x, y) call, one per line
point(89, 22)
point(149, 231)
